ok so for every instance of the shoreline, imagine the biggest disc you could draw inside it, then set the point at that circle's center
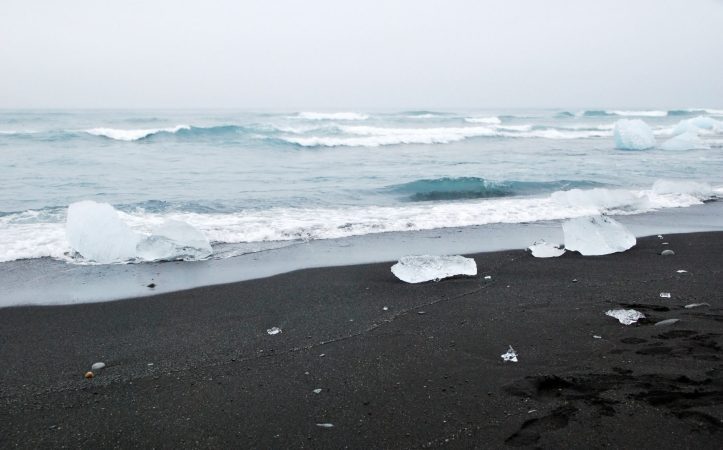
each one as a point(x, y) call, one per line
point(198, 368)
point(27, 281)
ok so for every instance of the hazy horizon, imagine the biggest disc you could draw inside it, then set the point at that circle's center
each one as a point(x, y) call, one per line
point(362, 55)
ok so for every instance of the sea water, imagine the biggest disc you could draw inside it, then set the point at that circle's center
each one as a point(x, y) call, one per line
point(252, 181)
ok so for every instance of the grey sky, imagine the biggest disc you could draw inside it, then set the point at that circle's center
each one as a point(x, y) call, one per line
point(345, 54)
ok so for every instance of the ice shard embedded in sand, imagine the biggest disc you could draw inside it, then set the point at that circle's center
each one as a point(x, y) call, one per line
point(596, 235)
point(543, 249)
point(421, 268)
point(626, 316)
point(633, 134)
point(95, 231)
point(174, 239)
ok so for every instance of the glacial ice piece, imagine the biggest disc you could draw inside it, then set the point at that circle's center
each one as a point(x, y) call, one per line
point(542, 249)
point(97, 366)
point(688, 140)
point(626, 316)
point(665, 322)
point(273, 330)
point(665, 295)
point(633, 134)
point(511, 355)
point(317, 391)
point(96, 232)
point(596, 235)
point(172, 240)
point(421, 268)
point(325, 425)
point(696, 124)
point(695, 305)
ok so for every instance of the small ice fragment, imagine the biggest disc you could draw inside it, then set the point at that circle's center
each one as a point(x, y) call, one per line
point(633, 134)
point(386, 308)
point(626, 316)
point(682, 271)
point(273, 330)
point(667, 252)
point(595, 336)
point(488, 277)
point(322, 355)
point(97, 366)
point(531, 411)
point(542, 249)
point(664, 243)
point(665, 295)
point(150, 364)
point(511, 355)
point(666, 322)
point(596, 235)
point(325, 425)
point(174, 240)
point(421, 268)
point(317, 391)
point(660, 236)
point(696, 305)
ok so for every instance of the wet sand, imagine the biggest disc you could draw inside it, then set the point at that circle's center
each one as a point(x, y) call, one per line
point(197, 368)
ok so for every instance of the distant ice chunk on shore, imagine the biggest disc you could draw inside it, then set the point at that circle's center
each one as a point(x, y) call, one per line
point(633, 134)
point(688, 140)
point(421, 268)
point(543, 249)
point(596, 235)
point(626, 316)
point(696, 124)
point(174, 239)
point(96, 232)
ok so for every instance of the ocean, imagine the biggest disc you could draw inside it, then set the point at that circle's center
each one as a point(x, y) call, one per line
point(254, 181)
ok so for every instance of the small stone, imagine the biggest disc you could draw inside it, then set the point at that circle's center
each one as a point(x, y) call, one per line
point(325, 425)
point(152, 285)
point(664, 243)
point(317, 391)
point(421, 313)
point(665, 322)
point(667, 252)
point(89, 375)
point(98, 366)
point(385, 308)
point(682, 271)
point(596, 336)
point(574, 280)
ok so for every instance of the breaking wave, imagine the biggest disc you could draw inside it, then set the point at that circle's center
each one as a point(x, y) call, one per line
point(332, 116)
point(473, 187)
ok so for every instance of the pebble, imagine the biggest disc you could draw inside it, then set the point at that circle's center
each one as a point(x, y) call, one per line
point(596, 336)
point(273, 330)
point(386, 308)
point(325, 425)
point(98, 366)
point(152, 285)
point(88, 375)
point(665, 322)
point(667, 252)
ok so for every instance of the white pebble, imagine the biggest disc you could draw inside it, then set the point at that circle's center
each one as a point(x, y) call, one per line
point(665, 295)
point(317, 391)
point(97, 366)
point(325, 425)
point(273, 330)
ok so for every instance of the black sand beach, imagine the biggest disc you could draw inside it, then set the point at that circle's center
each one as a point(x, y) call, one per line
point(197, 368)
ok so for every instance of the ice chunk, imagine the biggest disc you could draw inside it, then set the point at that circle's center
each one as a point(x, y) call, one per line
point(665, 322)
point(97, 366)
point(421, 268)
point(667, 253)
point(626, 316)
point(665, 295)
point(273, 330)
point(541, 249)
point(688, 140)
point(633, 134)
point(695, 305)
point(696, 124)
point(511, 355)
point(174, 239)
point(696, 189)
point(325, 425)
point(317, 391)
point(597, 235)
point(95, 231)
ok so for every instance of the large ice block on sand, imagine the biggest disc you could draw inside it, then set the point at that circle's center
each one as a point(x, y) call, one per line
point(597, 235)
point(688, 140)
point(421, 268)
point(96, 232)
point(174, 239)
point(633, 134)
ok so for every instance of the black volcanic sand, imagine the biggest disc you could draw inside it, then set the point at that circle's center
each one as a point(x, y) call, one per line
point(197, 368)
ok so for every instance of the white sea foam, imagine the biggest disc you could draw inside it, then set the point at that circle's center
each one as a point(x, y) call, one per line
point(133, 135)
point(31, 235)
point(485, 120)
point(332, 116)
point(646, 113)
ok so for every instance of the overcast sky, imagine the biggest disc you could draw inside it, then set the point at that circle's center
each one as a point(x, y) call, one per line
point(338, 54)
